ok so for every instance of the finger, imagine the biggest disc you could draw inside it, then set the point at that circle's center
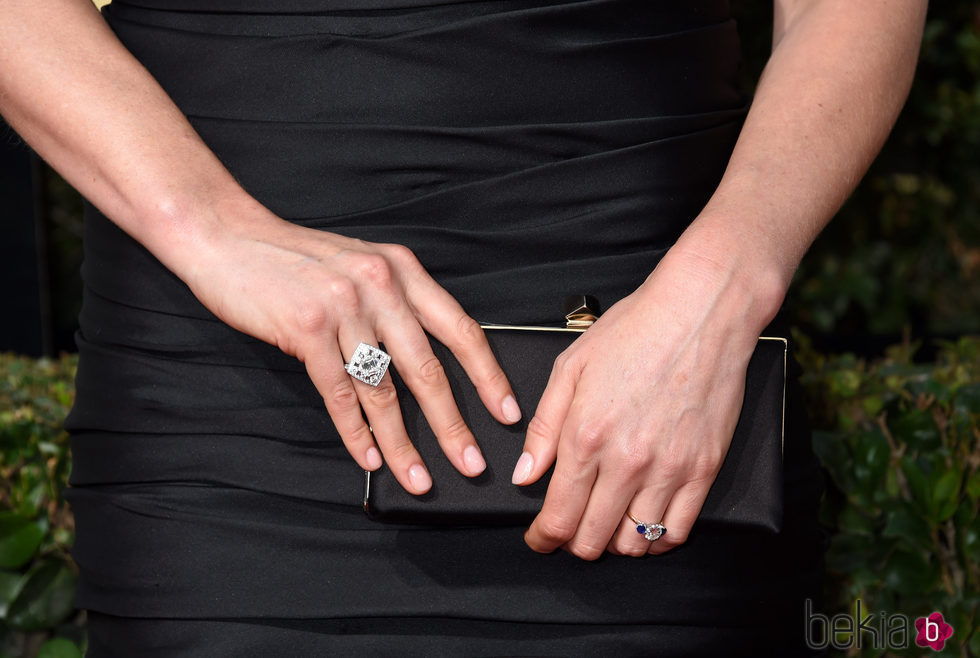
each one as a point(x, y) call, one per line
point(681, 513)
point(602, 517)
point(544, 428)
point(441, 315)
point(568, 492)
point(426, 379)
point(326, 370)
point(380, 405)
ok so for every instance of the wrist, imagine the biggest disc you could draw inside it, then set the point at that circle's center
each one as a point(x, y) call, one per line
point(738, 274)
point(187, 231)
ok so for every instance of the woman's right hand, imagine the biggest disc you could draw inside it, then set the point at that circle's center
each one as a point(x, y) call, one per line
point(317, 295)
point(90, 109)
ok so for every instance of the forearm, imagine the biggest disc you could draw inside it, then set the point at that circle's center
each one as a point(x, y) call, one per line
point(838, 76)
point(89, 108)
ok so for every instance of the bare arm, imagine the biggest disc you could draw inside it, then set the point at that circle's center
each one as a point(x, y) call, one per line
point(88, 107)
point(653, 444)
point(839, 74)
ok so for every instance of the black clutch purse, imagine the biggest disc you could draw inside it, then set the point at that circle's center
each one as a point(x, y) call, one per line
point(747, 491)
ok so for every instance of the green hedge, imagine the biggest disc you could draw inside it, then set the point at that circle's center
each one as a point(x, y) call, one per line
point(37, 577)
point(900, 442)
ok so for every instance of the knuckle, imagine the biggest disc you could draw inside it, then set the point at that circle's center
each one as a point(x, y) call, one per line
point(563, 364)
point(671, 465)
point(567, 366)
point(401, 254)
point(705, 467)
point(344, 398)
point(591, 438)
point(538, 426)
point(557, 531)
point(375, 269)
point(673, 539)
point(634, 550)
point(359, 435)
point(383, 395)
point(431, 372)
point(311, 317)
point(635, 458)
point(344, 294)
point(456, 429)
point(400, 451)
point(469, 330)
point(586, 551)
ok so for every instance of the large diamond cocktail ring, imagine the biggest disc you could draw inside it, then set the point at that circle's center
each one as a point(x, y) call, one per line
point(650, 531)
point(368, 364)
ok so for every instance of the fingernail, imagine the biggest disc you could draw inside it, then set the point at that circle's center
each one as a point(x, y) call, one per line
point(511, 411)
point(419, 477)
point(523, 468)
point(373, 458)
point(473, 460)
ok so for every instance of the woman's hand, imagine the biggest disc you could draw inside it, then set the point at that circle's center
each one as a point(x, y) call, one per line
point(641, 409)
point(317, 295)
point(89, 108)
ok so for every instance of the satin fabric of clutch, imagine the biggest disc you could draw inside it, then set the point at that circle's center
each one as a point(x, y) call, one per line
point(747, 491)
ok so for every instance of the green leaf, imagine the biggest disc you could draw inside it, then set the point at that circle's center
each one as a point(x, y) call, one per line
point(871, 458)
point(872, 405)
point(908, 572)
point(918, 484)
point(903, 523)
point(917, 428)
point(975, 642)
point(20, 537)
point(968, 399)
point(46, 599)
point(970, 537)
point(11, 583)
point(853, 522)
point(973, 486)
point(831, 449)
point(945, 495)
point(59, 647)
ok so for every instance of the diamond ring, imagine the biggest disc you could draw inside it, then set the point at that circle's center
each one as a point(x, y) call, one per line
point(650, 531)
point(368, 364)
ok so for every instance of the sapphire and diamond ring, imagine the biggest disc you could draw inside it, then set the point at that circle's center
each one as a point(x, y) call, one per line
point(650, 531)
point(368, 364)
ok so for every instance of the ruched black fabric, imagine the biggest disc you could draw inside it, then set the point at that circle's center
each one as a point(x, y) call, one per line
point(524, 150)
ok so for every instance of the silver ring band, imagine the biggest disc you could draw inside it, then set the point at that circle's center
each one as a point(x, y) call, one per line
point(368, 364)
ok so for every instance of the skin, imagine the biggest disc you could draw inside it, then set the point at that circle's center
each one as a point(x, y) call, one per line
point(651, 440)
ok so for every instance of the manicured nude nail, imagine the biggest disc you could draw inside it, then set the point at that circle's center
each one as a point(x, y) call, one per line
point(473, 460)
point(523, 468)
point(419, 477)
point(511, 411)
point(373, 458)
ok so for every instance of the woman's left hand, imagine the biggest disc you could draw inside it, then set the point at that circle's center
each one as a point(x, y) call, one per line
point(640, 410)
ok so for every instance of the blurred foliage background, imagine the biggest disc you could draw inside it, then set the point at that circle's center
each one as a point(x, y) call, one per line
point(897, 427)
point(904, 251)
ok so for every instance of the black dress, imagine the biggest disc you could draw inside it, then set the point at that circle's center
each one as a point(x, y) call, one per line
point(524, 150)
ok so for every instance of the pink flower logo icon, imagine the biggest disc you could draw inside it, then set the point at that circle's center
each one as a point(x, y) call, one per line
point(933, 631)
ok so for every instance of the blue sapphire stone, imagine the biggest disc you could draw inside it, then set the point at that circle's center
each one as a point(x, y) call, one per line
point(642, 529)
